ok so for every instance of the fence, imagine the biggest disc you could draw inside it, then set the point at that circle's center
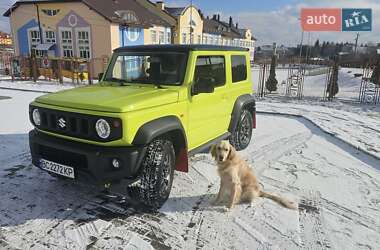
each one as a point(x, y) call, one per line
point(74, 70)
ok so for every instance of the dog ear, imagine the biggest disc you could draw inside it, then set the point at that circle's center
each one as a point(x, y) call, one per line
point(213, 151)
point(232, 152)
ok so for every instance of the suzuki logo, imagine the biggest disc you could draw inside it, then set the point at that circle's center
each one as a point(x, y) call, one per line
point(62, 123)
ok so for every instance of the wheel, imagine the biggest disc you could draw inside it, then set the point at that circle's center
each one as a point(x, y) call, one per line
point(241, 136)
point(156, 175)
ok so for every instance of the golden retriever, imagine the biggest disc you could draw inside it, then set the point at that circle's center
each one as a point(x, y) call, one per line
point(237, 180)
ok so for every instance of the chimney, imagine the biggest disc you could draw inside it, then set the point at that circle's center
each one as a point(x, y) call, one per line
point(237, 25)
point(230, 22)
point(218, 18)
point(160, 5)
point(207, 17)
point(214, 17)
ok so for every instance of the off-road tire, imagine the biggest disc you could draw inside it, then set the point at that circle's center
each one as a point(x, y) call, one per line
point(242, 134)
point(157, 172)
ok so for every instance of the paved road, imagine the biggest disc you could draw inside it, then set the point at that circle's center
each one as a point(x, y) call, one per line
point(337, 189)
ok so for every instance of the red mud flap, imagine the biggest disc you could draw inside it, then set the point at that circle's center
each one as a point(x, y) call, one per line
point(182, 163)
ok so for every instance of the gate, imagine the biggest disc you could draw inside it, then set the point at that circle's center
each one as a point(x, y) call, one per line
point(369, 90)
point(295, 82)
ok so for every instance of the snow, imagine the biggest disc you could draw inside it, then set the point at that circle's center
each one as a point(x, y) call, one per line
point(40, 86)
point(311, 158)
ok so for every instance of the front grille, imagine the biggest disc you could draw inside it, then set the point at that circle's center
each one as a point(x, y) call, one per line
point(77, 161)
point(75, 125)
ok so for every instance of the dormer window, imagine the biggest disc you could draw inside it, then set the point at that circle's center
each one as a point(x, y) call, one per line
point(49, 12)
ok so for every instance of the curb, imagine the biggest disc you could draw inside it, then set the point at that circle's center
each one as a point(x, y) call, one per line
point(27, 90)
point(324, 131)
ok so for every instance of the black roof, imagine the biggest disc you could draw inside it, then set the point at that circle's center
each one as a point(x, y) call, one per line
point(175, 11)
point(109, 10)
point(178, 48)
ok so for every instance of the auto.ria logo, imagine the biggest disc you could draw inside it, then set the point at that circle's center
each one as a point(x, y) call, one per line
point(62, 123)
point(335, 19)
point(357, 20)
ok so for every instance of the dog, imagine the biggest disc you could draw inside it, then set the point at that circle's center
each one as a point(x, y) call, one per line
point(237, 181)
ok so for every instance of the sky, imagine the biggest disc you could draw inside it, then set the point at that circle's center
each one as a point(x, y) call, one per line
point(272, 20)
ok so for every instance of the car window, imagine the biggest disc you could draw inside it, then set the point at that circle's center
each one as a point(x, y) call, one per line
point(239, 68)
point(212, 68)
point(148, 68)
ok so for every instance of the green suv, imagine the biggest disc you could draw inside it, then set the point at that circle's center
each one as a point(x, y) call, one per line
point(154, 106)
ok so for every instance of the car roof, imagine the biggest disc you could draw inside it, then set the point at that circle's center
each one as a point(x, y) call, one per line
point(178, 48)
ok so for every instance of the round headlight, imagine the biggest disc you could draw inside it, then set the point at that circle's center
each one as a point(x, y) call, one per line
point(36, 117)
point(103, 128)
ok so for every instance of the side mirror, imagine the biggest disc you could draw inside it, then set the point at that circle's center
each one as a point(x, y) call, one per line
point(100, 76)
point(203, 85)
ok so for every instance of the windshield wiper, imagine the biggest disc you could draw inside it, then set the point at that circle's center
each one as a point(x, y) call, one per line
point(121, 81)
point(157, 85)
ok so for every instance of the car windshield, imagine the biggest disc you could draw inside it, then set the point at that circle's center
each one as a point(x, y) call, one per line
point(158, 68)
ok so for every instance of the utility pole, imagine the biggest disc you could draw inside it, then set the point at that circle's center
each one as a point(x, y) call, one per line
point(12, 33)
point(39, 24)
point(301, 44)
point(308, 50)
point(191, 21)
point(356, 43)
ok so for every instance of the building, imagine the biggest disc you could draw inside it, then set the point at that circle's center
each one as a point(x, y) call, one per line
point(94, 28)
point(193, 28)
point(189, 24)
point(219, 32)
point(5, 40)
point(86, 29)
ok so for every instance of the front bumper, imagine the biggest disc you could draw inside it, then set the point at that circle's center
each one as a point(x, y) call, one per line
point(91, 163)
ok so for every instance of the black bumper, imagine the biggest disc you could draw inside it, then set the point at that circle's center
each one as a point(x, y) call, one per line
point(91, 163)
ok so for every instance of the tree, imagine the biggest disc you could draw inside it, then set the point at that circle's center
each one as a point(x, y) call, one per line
point(375, 77)
point(271, 83)
point(323, 48)
point(332, 87)
point(316, 43)
point(316, 51)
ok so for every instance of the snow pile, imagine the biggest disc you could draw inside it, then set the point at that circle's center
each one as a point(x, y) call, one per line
point(40, 86)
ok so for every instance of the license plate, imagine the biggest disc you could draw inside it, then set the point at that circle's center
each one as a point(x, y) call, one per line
point(57, 168)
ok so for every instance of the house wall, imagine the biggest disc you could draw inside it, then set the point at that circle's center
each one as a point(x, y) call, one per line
point(73, 16)
point(183, 26)
point(115, 36)
point(129, 36)
point(213, 39)
point(148, 35)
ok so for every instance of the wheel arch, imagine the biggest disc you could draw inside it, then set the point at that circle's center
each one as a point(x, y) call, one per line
point(168, 127)
point(242, 102)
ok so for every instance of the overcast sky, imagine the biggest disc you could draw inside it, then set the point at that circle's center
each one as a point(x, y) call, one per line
point(272, 20)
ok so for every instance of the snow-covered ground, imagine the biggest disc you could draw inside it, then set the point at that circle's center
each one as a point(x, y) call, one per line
point(314, 86)
point(336, 186)
point(40, 86)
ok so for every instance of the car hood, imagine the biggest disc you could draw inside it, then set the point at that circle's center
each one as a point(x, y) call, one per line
point(116, 99)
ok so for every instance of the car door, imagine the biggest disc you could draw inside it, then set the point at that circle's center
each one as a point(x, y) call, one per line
point(208, 113)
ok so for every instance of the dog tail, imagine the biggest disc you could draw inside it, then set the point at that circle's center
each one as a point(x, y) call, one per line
point(283, 202)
